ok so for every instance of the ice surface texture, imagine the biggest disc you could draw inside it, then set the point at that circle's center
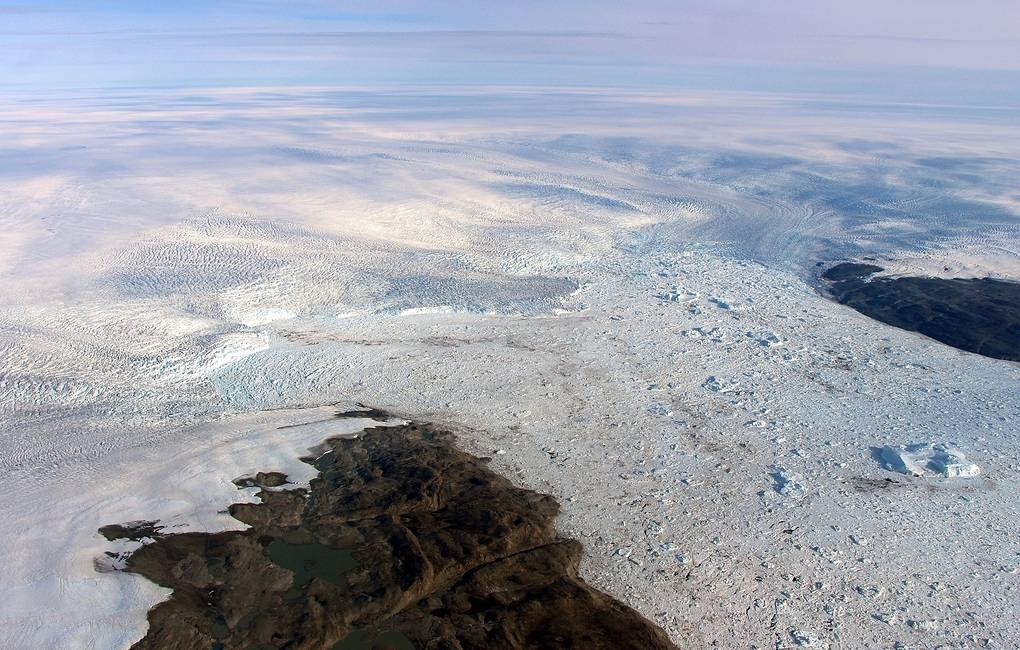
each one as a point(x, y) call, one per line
point(587, 281)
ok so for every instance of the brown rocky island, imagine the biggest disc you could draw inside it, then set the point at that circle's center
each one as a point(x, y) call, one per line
point(402, 541)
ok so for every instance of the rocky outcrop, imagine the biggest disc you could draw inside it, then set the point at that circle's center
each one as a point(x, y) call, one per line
point(402, 541)
point(980, 315)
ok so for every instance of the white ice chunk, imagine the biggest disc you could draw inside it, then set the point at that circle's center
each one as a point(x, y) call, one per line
point(660, 409)
point(804, 639)
point(717, 385)
point(790, 484)
point(922, 459)
point(676, 295)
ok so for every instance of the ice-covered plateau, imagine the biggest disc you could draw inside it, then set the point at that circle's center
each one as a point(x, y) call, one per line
point(623, 319)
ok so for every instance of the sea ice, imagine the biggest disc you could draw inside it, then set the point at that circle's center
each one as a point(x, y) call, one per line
point(766, 338)
point(923, 459)
point(717, 385)
point(533, 320)
point(677, 295)
point(804, 639)
point(789, 484)
point(660, 409)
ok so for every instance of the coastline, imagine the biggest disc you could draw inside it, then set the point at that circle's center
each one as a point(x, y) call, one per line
point(400, 541)
point(667, 460)
point(979, 315)
point(608, 291)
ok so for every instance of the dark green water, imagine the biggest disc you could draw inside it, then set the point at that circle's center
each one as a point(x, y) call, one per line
point(362, 640)
point(309, 561)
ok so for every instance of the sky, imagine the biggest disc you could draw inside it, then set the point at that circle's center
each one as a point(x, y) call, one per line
point(942, 48)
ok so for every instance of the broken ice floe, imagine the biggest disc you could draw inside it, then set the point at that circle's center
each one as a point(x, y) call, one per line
point(870, 591)
point(925, 459)
point(677, 295)
point(766, 338)
point(717, 385)
point(660, 409)
point(804, 639)
point(714, 334)
point(789, 484)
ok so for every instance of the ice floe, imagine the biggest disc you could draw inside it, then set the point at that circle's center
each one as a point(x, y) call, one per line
point(717, 385)
point(790, 484)
point(928, 459)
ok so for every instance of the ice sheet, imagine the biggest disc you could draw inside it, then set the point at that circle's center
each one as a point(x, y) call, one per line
point(53, 594)
point(613, 294)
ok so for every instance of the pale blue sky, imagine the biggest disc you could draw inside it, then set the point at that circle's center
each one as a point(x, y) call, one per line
point(915, 48)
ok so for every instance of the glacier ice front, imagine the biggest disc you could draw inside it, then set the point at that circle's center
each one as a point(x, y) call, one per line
point(923, 459)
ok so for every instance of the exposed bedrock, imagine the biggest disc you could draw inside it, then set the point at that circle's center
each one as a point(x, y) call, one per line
point(980, 315)
point(402, 541)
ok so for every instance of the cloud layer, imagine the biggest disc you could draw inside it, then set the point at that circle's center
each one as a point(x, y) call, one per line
point(104, 44)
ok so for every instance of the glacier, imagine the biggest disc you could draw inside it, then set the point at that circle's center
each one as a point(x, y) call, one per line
point(617, 308)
